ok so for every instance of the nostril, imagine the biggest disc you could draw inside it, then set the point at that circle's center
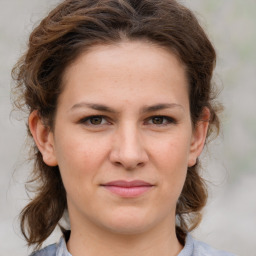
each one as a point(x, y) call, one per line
point(117, 163)
point(128, 166)
point(141, 164)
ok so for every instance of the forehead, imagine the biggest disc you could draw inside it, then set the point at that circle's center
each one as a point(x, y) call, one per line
point(126, 68)
point(140, 53)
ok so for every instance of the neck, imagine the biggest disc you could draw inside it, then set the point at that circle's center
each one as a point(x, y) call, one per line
point(157, 241)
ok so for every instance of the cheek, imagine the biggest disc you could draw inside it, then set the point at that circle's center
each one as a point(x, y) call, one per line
point(171, 159)
point(172, 151)
point(78, 147)
point(79, 160)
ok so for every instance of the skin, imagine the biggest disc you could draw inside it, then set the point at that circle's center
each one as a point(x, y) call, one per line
point(127, 142)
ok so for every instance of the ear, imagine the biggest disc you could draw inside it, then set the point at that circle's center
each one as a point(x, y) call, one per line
point(199, 137)
point(43, 138)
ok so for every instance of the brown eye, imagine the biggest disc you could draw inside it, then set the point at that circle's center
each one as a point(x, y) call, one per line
point(96, 120)
point(161, 120)
point(158, 120)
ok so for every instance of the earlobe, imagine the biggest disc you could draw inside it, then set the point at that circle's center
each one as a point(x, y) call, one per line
point(199, 137)
point(43, 138)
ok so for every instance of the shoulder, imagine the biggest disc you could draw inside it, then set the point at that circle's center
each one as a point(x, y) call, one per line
point(58, 249)
point(49, 250)
point(203, 249)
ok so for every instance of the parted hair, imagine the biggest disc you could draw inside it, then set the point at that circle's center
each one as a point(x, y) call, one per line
point(71, 29)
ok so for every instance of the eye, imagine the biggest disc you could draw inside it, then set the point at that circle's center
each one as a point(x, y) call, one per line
point(161, 120)
point(94, 120)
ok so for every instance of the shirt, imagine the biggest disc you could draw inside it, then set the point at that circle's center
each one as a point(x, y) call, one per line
point(192, 248)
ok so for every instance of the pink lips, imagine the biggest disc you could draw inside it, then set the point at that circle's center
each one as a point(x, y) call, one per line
point(128, 188)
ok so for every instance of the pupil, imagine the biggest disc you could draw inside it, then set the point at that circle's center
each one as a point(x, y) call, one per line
point(96, 120)
point(158, 120)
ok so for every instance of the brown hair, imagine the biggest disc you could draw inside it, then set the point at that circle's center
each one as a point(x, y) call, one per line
point(70, 29)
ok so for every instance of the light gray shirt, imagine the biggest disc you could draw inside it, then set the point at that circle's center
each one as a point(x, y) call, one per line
point(192, 248)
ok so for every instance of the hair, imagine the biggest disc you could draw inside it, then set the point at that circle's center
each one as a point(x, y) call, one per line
point(71, 29)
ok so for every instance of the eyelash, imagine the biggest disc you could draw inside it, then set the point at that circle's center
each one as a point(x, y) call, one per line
point(86, 119)
point(168, 120)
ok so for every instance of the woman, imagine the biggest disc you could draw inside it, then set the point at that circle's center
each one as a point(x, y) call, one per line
point(120, 106)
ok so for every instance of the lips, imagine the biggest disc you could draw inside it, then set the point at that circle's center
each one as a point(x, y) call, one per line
point(128, 189)
point(128, 184)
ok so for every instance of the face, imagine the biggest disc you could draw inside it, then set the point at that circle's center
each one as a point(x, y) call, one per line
point(123, 137)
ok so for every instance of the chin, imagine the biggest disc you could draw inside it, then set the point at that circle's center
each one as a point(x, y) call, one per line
point(129, 223)
point(128, 228)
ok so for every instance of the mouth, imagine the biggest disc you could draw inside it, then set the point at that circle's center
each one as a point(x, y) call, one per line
point(128, 189)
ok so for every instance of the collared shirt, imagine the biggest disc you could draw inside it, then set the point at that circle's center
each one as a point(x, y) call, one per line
point(192, 248)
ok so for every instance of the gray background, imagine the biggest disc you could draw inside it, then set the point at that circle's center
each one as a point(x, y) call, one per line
point(230, 218)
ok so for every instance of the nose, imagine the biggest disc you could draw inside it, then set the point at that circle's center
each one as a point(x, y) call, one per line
point(128, 148)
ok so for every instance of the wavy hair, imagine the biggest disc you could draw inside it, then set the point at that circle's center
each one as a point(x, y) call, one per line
point(72, 28)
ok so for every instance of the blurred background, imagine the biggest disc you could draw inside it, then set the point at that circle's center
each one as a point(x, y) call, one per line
point(230, 217)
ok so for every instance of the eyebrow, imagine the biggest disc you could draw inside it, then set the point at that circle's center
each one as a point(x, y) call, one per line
point(95, 106)
point(145, 109)
point(160, 106)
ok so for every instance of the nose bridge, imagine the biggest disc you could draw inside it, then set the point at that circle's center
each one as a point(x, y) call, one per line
point(128, 149)
point(130, 141)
